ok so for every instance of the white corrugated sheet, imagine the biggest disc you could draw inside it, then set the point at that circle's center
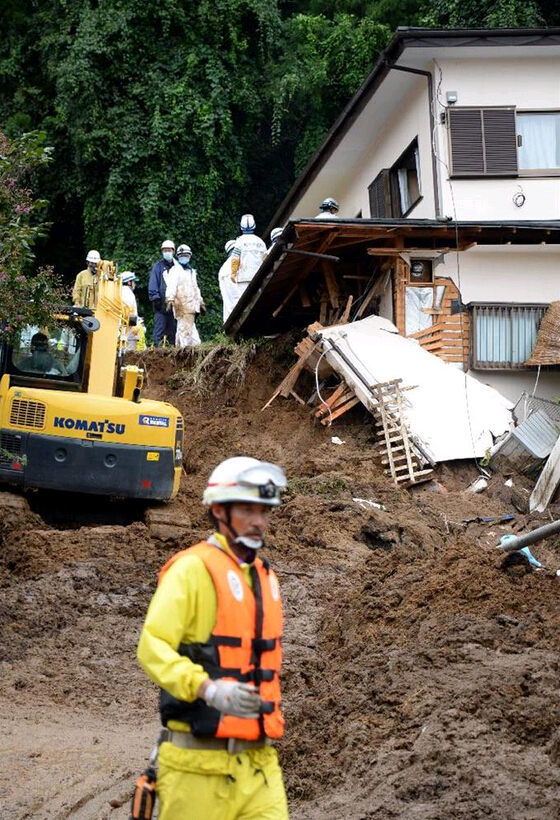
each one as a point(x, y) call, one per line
point(453, 415)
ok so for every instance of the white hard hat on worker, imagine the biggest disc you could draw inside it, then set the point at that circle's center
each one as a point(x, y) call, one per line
point(244, 479)
point(240, 494)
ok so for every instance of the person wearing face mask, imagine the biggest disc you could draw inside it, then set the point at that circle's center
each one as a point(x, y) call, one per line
point(212, 642)
point(84, 293)
point(164, 321)
point(183, 297)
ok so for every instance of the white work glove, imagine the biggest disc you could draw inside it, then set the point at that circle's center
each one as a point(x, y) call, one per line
point(232, 698)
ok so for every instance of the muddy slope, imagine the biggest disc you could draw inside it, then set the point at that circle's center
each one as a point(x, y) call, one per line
point(421, 678)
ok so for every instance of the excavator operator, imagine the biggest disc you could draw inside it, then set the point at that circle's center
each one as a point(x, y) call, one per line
point(41, 361)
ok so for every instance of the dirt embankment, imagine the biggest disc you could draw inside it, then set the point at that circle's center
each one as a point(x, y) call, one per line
point(421, 679)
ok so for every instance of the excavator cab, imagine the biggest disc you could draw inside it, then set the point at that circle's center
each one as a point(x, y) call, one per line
point(47, 357)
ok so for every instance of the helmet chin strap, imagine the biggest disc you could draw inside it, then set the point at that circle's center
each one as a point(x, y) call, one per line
point(242, 540)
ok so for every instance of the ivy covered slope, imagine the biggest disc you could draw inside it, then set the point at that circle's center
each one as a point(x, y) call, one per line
point(170, 118)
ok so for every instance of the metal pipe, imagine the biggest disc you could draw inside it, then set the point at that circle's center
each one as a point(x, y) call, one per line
point(513, 543)
point(312, 253)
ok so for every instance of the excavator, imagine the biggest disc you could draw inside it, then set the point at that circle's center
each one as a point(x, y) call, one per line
point(71, 415)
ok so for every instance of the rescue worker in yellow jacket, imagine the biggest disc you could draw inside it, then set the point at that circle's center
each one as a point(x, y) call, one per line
point(84, 293)
point(211, 641)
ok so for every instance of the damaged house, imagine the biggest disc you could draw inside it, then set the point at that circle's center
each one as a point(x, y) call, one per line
point(446, 166)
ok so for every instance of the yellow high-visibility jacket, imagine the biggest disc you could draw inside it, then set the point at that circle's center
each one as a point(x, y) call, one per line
point(84, 293)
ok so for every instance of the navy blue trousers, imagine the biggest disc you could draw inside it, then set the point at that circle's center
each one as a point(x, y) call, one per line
point(165, 324)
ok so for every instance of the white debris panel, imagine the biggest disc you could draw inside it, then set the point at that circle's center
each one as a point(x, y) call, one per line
point(452, 415)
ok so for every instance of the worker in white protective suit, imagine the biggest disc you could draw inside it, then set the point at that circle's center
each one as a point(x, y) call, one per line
point(130, 333)
point(228, 289)
point(183, 296)
point(247, 255)
point(328, 208)
point(275, 234)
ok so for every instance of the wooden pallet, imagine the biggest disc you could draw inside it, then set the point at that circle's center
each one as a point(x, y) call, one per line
point(398, 455)
point(340, 400)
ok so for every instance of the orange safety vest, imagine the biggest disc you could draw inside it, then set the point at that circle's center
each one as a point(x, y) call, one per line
point(245, 645)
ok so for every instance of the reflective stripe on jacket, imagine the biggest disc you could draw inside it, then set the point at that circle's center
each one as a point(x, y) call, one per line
point(244, 645)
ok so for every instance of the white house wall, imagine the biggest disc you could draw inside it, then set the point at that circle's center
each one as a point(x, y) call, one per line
point(505, 274)
point(393, 118)
point(410, 120)
point(529, 84)
point(398, 111)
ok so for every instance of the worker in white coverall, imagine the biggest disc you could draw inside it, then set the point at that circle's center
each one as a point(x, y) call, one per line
point(247, 255)
point(228, 289)
point(129, 279)
point(183, 296)
point(328, 208)
point(275, 234)
point(212, 642)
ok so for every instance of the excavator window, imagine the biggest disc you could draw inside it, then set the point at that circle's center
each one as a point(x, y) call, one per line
point(54, 354)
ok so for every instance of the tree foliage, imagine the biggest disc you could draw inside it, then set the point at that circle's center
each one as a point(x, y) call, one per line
point(486, 13)
point(24, 297)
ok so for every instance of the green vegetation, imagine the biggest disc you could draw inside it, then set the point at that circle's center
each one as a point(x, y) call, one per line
point(328, 486)
point(24, 299)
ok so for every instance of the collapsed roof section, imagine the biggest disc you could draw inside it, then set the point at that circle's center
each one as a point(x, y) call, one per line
point(332, 271)
point(450, 414)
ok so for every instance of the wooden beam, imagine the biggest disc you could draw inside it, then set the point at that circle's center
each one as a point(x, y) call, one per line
point(340, 411)
point(304, 296)
point(375, 291)
point(287, 384)
point(286, 299)
point(304, 270)
point(346, 315)
point(332, 284)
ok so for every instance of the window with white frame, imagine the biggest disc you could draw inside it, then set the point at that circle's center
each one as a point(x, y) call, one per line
point(502, 141)
point(503, 336)
point(538, 140)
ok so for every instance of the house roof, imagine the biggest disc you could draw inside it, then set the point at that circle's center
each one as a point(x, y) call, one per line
point(419, 45)
point(271, 303)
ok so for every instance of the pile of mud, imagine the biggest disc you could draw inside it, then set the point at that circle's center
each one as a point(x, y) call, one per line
point(421, 677)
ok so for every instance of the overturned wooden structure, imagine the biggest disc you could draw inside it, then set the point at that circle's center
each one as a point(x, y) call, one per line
point(401, 455)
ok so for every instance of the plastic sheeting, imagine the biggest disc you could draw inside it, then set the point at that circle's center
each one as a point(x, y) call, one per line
point(451, 414)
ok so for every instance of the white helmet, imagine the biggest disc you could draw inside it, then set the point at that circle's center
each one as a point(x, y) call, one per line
point(247, 223)
point(127, 277)
point(329, 204)
point(230, 245)
point(275, 233)
point(93, 256)
point(246, 480)
point(168, 245)
point(183, 249)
